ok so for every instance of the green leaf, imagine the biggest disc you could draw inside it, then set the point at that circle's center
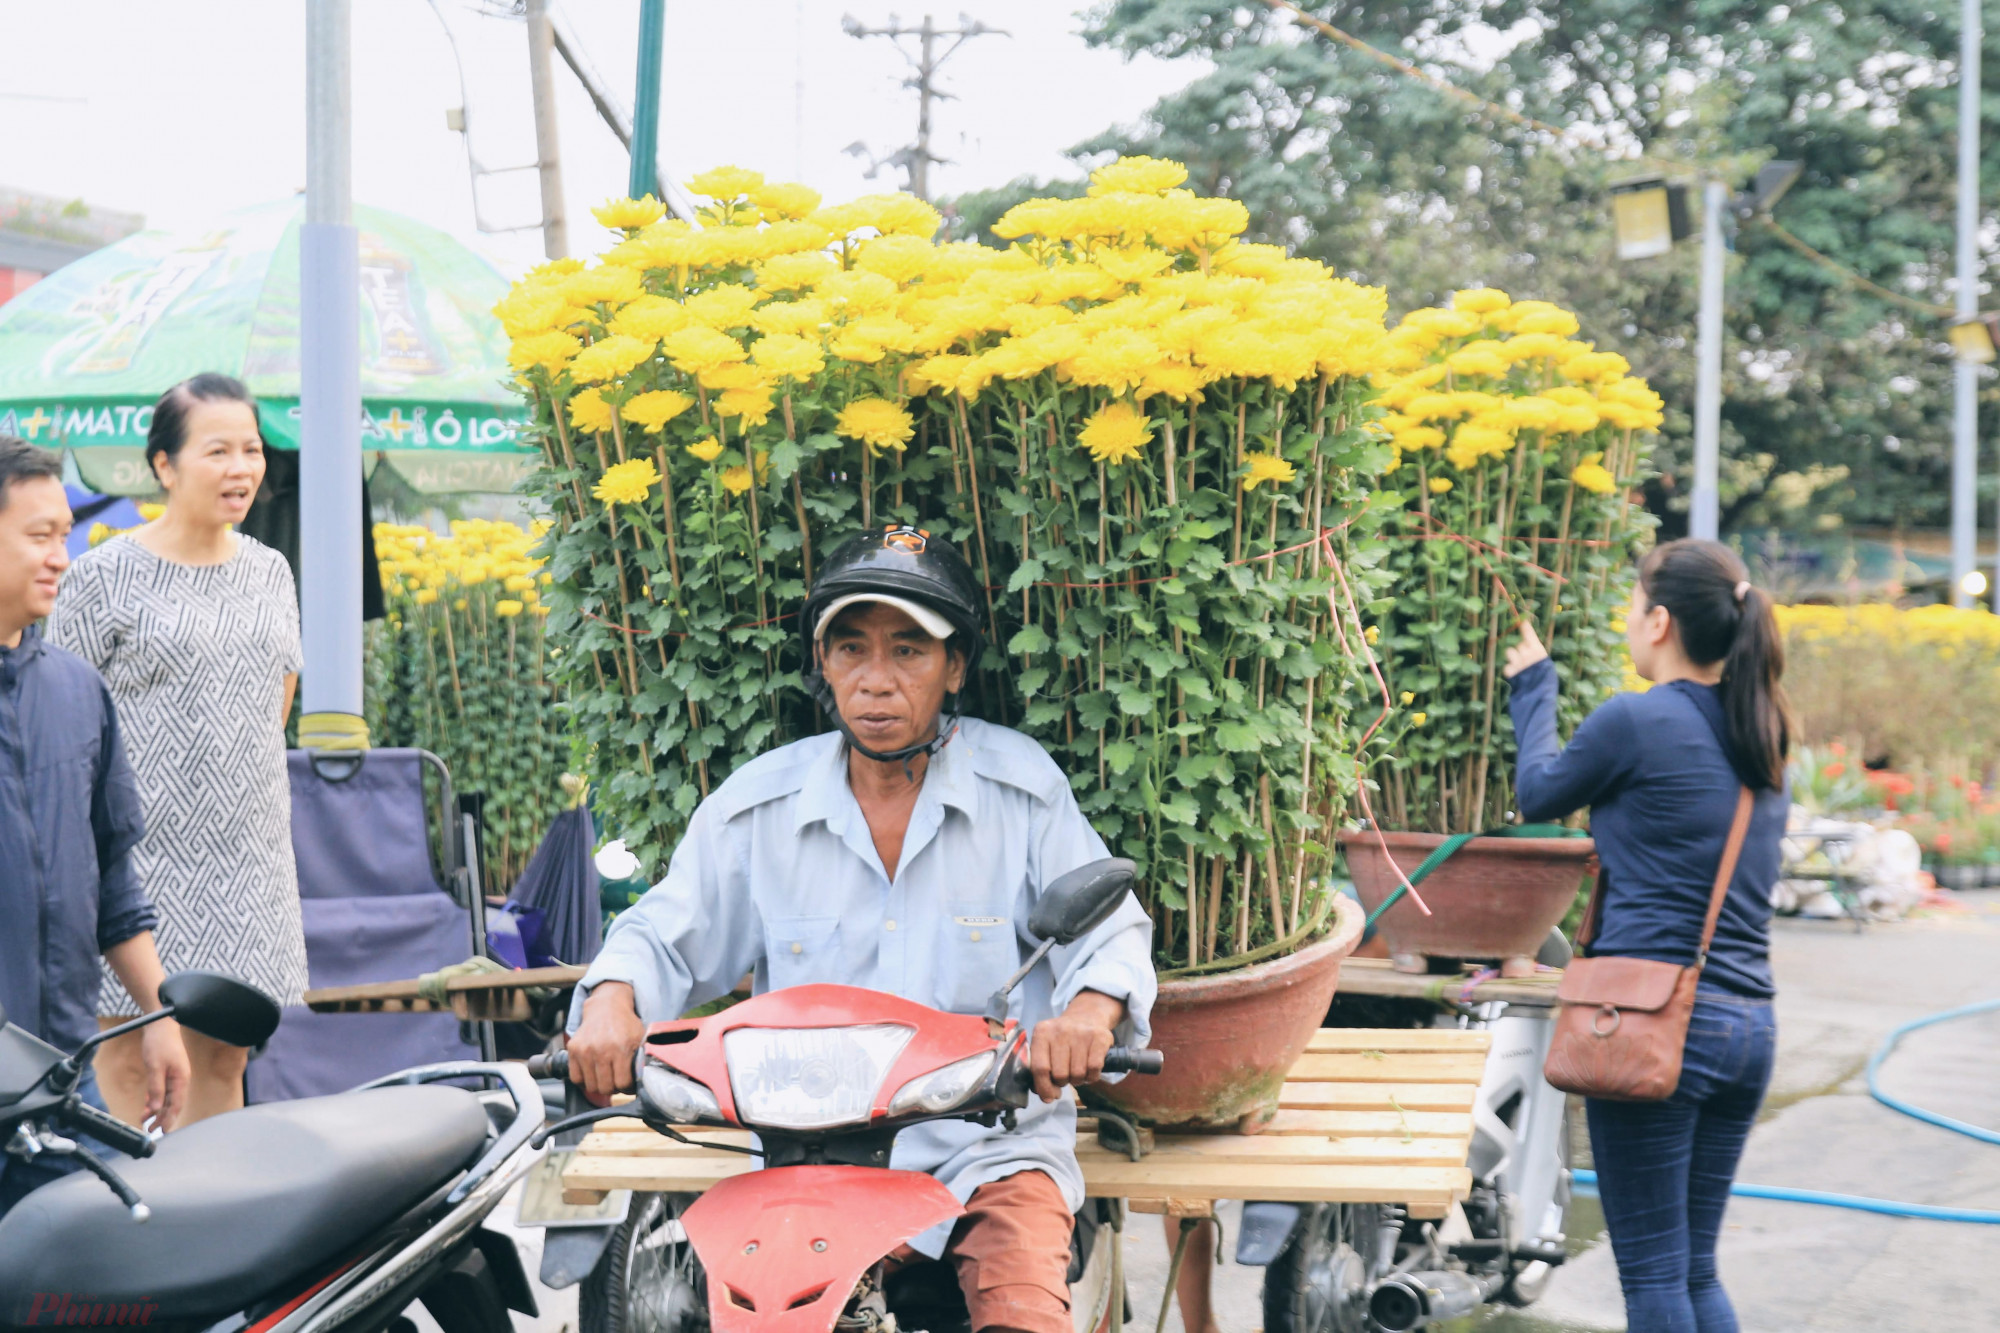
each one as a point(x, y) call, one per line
point(1031, 639)
point(1118, 756)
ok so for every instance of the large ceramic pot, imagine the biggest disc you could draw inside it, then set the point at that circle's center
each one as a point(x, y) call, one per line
point(1496, 898)
point(1229, 1040)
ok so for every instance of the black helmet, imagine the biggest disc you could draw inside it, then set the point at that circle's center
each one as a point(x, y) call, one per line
point(903, 562)
point(910, 565)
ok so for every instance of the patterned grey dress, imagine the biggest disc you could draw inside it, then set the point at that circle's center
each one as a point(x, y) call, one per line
point(196, 657)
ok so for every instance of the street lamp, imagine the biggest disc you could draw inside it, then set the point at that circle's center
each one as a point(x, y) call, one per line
point(1644, 212)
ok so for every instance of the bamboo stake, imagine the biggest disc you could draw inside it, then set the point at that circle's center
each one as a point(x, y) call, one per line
point(1276, 889)
point(1214, 905)
point(1193, 910)
point(799, 498)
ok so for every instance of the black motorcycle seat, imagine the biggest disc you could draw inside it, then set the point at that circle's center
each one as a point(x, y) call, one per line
point(243, 1204)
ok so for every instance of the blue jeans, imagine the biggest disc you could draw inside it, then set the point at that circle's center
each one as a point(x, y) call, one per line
point(1664, 1168)
point(18, 1179)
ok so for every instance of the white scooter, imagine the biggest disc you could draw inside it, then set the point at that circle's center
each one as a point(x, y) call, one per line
point(1369, 1268)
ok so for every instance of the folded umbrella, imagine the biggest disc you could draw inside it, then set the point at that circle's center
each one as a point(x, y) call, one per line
point(560, 885)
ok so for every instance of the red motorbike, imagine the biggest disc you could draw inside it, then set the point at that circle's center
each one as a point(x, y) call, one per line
point(827, 1076)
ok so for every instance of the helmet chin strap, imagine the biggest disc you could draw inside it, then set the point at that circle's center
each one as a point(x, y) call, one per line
point(947, 728)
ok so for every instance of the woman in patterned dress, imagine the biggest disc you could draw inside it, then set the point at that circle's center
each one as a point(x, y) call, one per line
point(196, 629)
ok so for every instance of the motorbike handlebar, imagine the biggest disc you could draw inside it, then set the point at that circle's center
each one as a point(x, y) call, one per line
point(108, 1129)
point(1133, 1060)
point(554, 1065)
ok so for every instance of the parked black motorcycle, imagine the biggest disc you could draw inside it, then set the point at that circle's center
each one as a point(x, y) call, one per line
point(295, 1217)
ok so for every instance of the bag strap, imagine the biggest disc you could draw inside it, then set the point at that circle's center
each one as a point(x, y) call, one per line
point(1726, 871)
point(1586, 929)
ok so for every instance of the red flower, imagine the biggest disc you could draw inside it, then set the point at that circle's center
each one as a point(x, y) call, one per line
point(1834, 770)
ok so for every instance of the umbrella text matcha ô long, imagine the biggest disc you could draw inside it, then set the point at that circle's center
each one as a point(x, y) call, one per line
point(86, 351)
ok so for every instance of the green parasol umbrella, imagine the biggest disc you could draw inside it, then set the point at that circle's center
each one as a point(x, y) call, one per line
point(86, 351)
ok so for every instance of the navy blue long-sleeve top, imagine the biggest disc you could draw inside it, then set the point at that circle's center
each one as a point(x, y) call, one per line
point(1654, 770)
point(69, 818)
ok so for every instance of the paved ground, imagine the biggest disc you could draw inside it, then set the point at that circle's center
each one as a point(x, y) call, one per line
point(1789, 1267)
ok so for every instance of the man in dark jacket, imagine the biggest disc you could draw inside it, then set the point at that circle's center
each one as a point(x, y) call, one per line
point(69, 816)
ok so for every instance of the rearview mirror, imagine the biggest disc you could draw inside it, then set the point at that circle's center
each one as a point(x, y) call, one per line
point(1082, 900)
point(220, 1007)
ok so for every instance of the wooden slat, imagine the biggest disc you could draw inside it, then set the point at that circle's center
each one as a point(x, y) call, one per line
point(1384, 1067)
point(1378, 1096)
point(1282, 1149)
point(1422, 1124)
point(1440, 1185)
point(1327, 1041)
point(686, 1172)
point(1375, 976)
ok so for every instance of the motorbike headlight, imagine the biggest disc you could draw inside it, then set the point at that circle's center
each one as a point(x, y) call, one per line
point(810, 1078)
point(942, 1089)
point(675, 1096)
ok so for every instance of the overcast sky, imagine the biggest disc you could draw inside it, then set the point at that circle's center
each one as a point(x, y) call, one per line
point(183, 109)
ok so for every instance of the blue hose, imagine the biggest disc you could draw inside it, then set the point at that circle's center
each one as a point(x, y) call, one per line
point(1897, 1104)
point(1861, 1203)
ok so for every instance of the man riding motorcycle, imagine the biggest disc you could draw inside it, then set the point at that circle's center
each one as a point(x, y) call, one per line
point(903, 852)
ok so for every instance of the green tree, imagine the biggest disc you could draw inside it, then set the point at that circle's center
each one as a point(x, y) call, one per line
point(1394, 183)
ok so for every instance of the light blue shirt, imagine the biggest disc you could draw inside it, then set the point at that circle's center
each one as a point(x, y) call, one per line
point(778, 876)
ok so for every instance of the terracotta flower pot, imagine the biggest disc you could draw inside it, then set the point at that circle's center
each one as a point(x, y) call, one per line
point(1230, 1039)
point(1495, 898)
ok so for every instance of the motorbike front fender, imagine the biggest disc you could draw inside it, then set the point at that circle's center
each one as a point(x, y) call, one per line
point(1264, 1230)
point(783, 1247)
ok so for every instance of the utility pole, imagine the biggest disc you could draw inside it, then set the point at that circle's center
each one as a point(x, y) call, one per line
point(1704, 513)
point(548, 149)
point(916, 159)
point(646, 101)
point(330, 393)
point(1965, 374)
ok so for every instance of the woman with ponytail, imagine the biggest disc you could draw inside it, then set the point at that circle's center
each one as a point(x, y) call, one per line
point(1662, 773)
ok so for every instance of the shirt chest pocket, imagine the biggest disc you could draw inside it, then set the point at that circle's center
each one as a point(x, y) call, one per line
point(976, 954)
point(801, 950)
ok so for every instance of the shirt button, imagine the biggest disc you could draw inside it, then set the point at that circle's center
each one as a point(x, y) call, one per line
point(798, 948)
point(888, 925)
point(975, 937)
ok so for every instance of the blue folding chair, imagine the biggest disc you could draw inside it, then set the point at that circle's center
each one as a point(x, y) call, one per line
point(377, 906)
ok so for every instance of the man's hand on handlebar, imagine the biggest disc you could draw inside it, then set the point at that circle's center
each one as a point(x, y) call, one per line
point(1069, 1049)
point(602, 1050)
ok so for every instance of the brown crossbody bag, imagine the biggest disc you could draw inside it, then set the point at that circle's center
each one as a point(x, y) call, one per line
point(1623, 1022)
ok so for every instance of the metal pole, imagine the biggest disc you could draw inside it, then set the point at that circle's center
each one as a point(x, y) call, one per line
point(920, 165)
point(1965, 377)
point(1703, 514)
point(548, 149)
point(330, 378)
point(646, 100)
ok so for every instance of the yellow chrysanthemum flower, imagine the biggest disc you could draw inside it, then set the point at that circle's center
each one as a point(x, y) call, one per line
point(506, 608)
point(1115, 433)
point(655, 409)
point(1408, 698)
point(791, 273)
point(608, 359)
point(725, 183)
point(698, 348)
point(789, 356)
point(1137, 175)
point(725, 306)
point(589, 412)
point(608, 284)
point(550, 351)
point(649, 318)
point(1593, 476)
point(785, 199)
point(627, 483)
point(1418, 719)
point(736, 480)
point(628, 214)
point(707, 450)
point(1439, 485)
point(877, 423)
point(752, 405)
point(1266, 467)
point(425, 596)
point(1480, 300)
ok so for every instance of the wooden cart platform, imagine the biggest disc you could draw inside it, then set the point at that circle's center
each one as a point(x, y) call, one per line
point(1367, 1116)
point(499, 997)
point(1375, 976)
